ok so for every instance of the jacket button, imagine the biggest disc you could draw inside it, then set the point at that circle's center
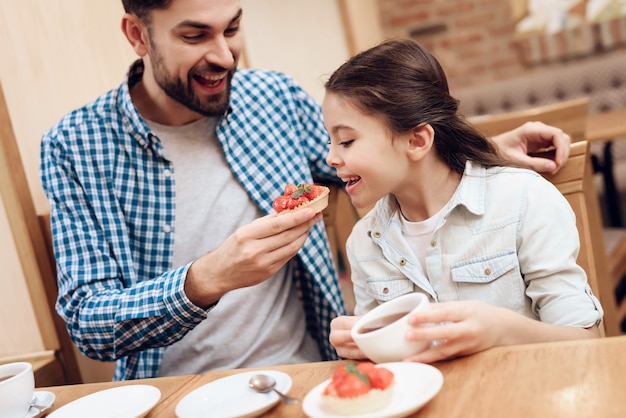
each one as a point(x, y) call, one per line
point(487, 271)
point(385, 290)
point(376, 234)
point(403, 262)
point(433, 244)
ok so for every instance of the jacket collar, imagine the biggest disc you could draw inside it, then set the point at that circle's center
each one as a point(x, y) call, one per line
point(470, 193)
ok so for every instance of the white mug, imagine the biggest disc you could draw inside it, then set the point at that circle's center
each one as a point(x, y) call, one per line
point(17, 386)
point(380, 333)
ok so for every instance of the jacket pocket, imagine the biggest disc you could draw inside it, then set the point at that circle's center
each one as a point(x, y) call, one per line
point(494, 279)
point(388, 288)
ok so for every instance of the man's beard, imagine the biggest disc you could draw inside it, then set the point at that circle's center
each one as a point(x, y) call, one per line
point(214, 105)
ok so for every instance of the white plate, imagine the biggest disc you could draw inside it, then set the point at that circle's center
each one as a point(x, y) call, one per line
point(231, 397)
point(128, 401)
point(415, 385)
point(43, 399)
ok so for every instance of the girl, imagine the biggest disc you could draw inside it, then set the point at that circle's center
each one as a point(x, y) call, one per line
point(496, 245)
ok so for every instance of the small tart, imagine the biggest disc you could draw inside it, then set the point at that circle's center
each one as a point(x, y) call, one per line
point(318, 204)
point(286, 204)
point(358, 388)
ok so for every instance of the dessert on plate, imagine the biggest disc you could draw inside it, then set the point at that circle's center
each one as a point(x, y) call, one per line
point(358, 388)
point(302, 196)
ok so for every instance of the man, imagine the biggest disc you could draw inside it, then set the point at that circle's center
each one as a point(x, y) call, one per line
point(169, 258)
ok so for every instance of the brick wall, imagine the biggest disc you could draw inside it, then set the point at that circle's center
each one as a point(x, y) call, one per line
point(475, 40)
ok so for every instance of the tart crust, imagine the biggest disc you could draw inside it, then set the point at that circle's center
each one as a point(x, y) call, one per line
point(318, 204)
point(372, 401)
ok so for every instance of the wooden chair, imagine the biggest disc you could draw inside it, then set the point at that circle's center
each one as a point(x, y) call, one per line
point(575, 181)
point(567, 115)
point(57, 363)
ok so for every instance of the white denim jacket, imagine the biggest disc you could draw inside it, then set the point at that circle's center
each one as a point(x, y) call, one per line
point(508, 237)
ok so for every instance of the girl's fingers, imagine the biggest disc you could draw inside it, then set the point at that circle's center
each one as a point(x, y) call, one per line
point(440, 313)
point(340, 338)
point(435, 353)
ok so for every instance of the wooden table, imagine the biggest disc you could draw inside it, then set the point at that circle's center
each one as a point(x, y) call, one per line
point(572, 379)
point(565, 379)
point(606, 126)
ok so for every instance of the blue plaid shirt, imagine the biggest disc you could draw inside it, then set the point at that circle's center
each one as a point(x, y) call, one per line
point(111, 193)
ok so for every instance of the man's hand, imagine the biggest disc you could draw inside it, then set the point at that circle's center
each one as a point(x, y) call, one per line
point(251, 255)
point(533, 137)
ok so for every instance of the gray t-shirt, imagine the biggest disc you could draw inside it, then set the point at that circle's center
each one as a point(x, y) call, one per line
point(260, 325)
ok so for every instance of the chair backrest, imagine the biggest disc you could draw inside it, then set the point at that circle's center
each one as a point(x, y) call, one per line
point(570, 116)
point(575, 181)
point(57, 364)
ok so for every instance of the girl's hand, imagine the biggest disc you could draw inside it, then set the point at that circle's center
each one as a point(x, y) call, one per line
point(464, 327)
point(467, 327)
point(341, 339)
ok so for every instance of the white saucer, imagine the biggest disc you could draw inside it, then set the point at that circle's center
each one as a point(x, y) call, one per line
point(128, 401)
point(415, 385)
point(42, 398)
point(231, 397)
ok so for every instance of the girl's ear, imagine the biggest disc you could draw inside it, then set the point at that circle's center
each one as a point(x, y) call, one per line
point(136, 33)
point(420, 141)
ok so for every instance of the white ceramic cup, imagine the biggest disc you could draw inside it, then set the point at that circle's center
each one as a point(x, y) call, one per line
point(380, 333)
point(16, 391)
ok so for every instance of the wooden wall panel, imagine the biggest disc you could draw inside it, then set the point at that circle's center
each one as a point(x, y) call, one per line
point(303, 38)
point(56, 55)
point(361, 24)
point(17, 320)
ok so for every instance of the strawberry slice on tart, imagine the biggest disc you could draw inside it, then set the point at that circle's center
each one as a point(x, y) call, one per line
point(302, 196)
point(359, 388)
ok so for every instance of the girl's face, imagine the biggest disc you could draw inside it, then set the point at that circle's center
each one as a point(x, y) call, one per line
point(367, 156)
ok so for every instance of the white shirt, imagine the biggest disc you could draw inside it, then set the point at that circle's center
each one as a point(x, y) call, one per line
point(253, 326)
point(418, 234)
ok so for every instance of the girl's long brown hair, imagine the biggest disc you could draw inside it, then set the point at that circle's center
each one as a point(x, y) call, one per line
point(404, 85)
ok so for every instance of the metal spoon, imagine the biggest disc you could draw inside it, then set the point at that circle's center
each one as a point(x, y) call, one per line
point(40, 408)
point(263, 383)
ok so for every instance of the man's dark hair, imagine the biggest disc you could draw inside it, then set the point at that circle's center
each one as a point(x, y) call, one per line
point(142, 8)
